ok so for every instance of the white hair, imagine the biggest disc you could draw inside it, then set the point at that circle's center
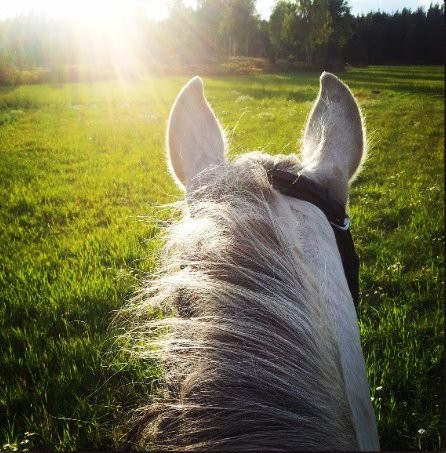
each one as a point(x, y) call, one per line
point(247, 356)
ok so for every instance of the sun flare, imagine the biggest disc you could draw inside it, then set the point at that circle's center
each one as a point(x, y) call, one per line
point(90, 10)
point(103, 36)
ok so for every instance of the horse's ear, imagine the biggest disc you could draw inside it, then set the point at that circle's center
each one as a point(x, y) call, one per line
point(334, 138)
point(195, 140)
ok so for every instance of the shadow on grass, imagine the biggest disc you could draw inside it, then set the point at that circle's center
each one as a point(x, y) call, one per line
point(304, 87)
point(398, 81)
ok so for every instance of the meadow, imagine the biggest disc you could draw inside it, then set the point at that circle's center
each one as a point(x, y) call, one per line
point(82, 181)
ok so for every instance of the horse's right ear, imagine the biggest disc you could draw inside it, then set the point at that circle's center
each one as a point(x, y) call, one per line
point(195, 140)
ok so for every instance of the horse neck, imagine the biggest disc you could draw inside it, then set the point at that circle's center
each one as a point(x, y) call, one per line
point(311, 235)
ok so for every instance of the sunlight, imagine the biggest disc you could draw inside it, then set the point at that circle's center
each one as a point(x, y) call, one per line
point(103, 36)
point(89, 10)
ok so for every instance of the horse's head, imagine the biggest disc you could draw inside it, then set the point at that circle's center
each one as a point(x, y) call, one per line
point(264, 348)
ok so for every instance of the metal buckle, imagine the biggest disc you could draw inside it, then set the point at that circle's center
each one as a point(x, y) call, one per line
point(343, 228)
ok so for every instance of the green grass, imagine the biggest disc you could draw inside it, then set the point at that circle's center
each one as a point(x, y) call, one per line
point(81, 172)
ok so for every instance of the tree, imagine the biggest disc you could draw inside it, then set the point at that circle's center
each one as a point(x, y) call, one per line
point(406, 37)
point(316, 24)
point(240, 24)
point(435, 35)
point(210, 17)
point(342, 30)
point(180, 34)
point(299, 27)
point(282, 28)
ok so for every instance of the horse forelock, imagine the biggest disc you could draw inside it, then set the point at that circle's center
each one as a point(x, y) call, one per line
point(248, 354)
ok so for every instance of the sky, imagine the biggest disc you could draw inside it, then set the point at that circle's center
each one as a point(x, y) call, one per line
point(157, 9)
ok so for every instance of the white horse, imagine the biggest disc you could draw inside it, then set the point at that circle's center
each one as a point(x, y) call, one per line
point(260, 344)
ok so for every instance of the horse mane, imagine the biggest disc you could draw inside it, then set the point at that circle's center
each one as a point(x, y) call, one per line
point(247, 354)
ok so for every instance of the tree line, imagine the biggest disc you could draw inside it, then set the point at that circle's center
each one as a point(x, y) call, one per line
point(310, 33)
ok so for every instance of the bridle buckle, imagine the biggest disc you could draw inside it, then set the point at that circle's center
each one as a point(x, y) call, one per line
point(345, 227)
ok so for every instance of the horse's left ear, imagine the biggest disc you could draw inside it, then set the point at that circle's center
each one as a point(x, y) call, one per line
point(195, 140)
point(334, 138)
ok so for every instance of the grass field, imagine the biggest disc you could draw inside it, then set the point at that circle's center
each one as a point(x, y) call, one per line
point(81, 172)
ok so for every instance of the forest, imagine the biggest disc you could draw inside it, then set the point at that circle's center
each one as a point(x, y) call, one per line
point(299, 35)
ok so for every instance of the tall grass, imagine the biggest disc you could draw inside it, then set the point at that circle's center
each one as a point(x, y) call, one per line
point(81, 173)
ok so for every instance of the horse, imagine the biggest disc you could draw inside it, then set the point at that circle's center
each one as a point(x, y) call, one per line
point(258, 346)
